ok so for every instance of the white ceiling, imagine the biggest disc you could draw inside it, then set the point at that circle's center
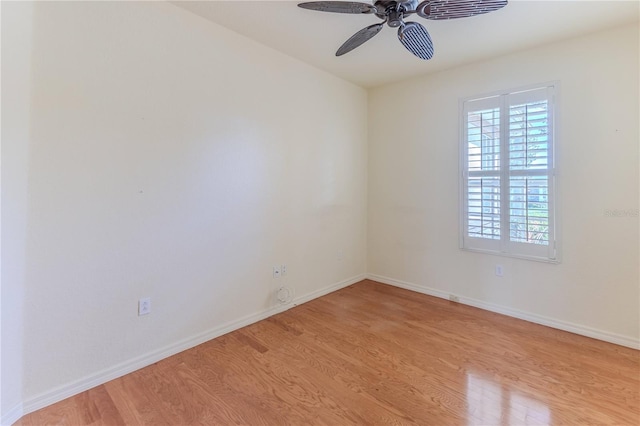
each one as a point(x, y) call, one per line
point(313, 37)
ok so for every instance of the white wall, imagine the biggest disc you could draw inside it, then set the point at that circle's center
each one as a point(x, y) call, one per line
point(413, 234)
point(16, 53)
point(169, 157)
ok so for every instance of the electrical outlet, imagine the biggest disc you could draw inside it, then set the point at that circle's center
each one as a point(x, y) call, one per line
point(144, 306)
point(277, 272)
point(499, 271)
point(454, 298)
point(283, 270)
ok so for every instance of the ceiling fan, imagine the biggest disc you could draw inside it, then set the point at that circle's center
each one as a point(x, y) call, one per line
point(412, 35)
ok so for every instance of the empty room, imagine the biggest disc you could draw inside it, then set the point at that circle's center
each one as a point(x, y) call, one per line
point(320, 213)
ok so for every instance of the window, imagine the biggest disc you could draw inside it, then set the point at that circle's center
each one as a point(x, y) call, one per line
point(508, 174)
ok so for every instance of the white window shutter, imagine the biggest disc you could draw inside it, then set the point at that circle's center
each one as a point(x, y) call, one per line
point(508, 174)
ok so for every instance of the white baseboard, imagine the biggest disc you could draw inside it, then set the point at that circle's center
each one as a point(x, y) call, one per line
point(129, 366)
point(527, 316)
point(12, 416)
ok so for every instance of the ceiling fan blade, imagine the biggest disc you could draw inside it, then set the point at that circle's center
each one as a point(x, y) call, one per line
point(452, 9)
point(358, 38)
point(416, 39)
point(338, 6)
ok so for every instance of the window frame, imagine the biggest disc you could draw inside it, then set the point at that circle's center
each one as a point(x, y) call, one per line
point(504, 246)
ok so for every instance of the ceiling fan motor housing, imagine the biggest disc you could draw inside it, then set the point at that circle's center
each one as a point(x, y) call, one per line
point(395, 19)
point(383, 6)
point(393, 11)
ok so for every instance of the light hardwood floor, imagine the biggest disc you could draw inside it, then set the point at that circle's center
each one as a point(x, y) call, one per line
point(374, 354)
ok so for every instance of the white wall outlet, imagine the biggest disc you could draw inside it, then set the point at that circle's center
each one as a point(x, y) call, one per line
point(144, 306)
point(454, 298)
point(277, 272)
point(499, 271)
point(283, 270)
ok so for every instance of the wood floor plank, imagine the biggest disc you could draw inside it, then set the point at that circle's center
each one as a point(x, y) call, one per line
point(132, 400)
point(374, 354)
point(397, 383)
point(329, 373)
point(349, 374)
